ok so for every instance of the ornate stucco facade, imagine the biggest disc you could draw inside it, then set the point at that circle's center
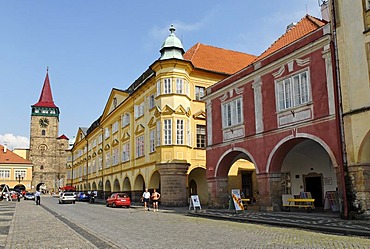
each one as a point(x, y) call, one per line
point(47, 149)
point(153, 133)
point(351, 23)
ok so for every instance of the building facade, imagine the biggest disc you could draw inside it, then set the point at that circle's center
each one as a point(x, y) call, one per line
point(351, 23)
point(47, 149)
point(280, 115)
point(15, 171)
point(153, 134)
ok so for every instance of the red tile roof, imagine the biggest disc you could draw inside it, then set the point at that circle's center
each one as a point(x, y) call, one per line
point(217, 59)
point(305, 26)
point(46, 97)
point(63, 137)
point(9, 157)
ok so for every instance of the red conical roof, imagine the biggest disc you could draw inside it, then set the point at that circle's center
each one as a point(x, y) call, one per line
point(46, 97)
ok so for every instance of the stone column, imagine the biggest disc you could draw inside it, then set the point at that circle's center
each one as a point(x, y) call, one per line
point(358, 191)
point(218, 191)
point(269, 188)
point(173, 183)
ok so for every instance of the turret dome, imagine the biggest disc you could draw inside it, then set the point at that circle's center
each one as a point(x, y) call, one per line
point(172, 47)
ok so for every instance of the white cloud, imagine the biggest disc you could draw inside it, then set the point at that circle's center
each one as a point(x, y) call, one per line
point(14, 142)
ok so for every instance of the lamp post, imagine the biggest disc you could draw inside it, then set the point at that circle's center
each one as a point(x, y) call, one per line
point(19, 178)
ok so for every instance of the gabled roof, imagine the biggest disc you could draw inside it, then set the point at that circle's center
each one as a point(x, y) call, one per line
point(305, 26)
point(217, 59)
point(9, 157)
point(63, 137)
point(46, 97)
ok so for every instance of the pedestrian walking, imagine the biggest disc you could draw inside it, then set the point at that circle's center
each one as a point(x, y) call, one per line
point(155, 199)
point(38, 197)
point(146, 197)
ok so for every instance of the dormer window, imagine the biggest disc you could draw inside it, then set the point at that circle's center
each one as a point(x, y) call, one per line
point(43, 132)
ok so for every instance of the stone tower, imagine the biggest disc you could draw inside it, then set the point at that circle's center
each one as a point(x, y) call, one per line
point(47, 149)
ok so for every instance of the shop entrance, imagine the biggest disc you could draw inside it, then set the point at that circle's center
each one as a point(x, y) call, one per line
point(313, 184)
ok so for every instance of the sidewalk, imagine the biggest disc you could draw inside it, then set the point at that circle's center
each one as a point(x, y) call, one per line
point(46, 232)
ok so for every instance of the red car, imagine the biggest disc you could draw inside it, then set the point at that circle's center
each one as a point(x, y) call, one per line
point(118, 200)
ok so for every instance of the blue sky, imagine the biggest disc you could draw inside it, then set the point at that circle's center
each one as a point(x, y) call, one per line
point(93, 46)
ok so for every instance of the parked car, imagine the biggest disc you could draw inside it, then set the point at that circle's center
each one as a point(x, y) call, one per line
point(67, 197)
point(29, 196)
point(83, 196)
point(118, 200)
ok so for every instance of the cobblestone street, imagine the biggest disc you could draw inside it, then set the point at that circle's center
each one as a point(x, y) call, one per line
point(82, 225)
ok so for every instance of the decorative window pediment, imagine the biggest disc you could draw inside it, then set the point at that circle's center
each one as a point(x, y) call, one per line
point(167, 110)
point(180, 110)
point(125, 137)
point(115, 142)
point(152, 123)
point(94, 154)
point(107, 147)
point(100, 151)
point(139, 129)
point(200, 115)
point(157, 111)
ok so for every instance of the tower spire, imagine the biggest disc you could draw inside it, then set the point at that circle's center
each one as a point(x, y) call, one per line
point(46, 97)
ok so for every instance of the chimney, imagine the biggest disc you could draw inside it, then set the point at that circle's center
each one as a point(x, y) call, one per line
point(325, 12)
point(5, 148)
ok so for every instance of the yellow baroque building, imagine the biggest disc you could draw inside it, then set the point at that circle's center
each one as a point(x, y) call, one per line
point(153, 134)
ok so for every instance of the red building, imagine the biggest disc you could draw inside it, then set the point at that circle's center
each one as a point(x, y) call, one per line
point(280, 114)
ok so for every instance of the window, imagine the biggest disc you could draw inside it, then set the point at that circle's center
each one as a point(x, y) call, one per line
point(21, 173)
point(151, 101)
point(139, 110)
point(232, 113)
point(158, 87)
point(201, 136)
point(179, 86)
point(167, 86)
point(140, 146)
point(94, 166)
point(293, 91)
point(100, 139)
point(115, 127)
point(4, 173)
point(94, 143)
point(106, 133)
point(126, 152)
point(43, 132)
point(188, 131)
point(115, 158)
point(125, 119)
point(167, 131)
point(152, 140)
point(179, 131)
point(158, 133)
point(107, 160)
point(100, 162)
point(199, 92)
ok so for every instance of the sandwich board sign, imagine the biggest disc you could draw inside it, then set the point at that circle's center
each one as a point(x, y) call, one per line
point(236, 201)
point(194, 202)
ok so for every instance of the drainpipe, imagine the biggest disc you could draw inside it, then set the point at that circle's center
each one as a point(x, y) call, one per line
point(340, 110)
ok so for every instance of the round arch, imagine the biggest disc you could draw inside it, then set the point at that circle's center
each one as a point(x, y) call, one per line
point(155, 182)
point(139, 183)
point(94, 186)
point(364, 150)
point(126, 184)
point(197, 184)
point(116, 186)
point(229, 157)
point(108, 187)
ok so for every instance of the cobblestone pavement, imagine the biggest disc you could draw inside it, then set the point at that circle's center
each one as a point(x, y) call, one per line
point(83, 225)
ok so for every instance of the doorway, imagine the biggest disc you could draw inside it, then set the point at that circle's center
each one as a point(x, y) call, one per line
point(313, 184)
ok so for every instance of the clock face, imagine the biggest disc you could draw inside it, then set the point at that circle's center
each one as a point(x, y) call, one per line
point(44, 122)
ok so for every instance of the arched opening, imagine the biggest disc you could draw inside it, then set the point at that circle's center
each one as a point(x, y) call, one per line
point(306, 167)
point(107, 189)
point(127, 186)
point(94, 186)
point(116, 186)
point(236, 169)
point(100, 191)
point(19, 187)
point(197, 184)
point(155, 181)
point(139, 187)
point(89, 186)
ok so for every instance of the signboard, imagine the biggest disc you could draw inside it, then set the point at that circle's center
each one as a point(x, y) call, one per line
point(236, 199)
point(194, 202)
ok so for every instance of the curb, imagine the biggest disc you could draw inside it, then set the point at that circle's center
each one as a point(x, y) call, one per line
point(325, 229)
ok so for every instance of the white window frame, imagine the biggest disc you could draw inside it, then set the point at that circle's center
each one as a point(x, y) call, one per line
point(200, 91)
point(4, 173)
point(106, 133)
point(180, 131)
point(167, 86)
point(167, 123)
point(140, 146)
point(158, 87)
point(100, 162)
point(151, 101)
point(126, 152)
point(158, 133)
point(232, 113)
point(107, 160)
point(114, 127)
point(115, 156)
point(152, 140)
point(201, 136)
point(293, 91)
point(139, 110)
point(125, 119)
point(179, 86)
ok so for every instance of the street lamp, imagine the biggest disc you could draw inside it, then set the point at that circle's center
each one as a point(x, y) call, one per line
point(19, 178)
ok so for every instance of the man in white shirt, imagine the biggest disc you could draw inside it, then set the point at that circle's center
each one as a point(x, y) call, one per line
point(146, 197)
